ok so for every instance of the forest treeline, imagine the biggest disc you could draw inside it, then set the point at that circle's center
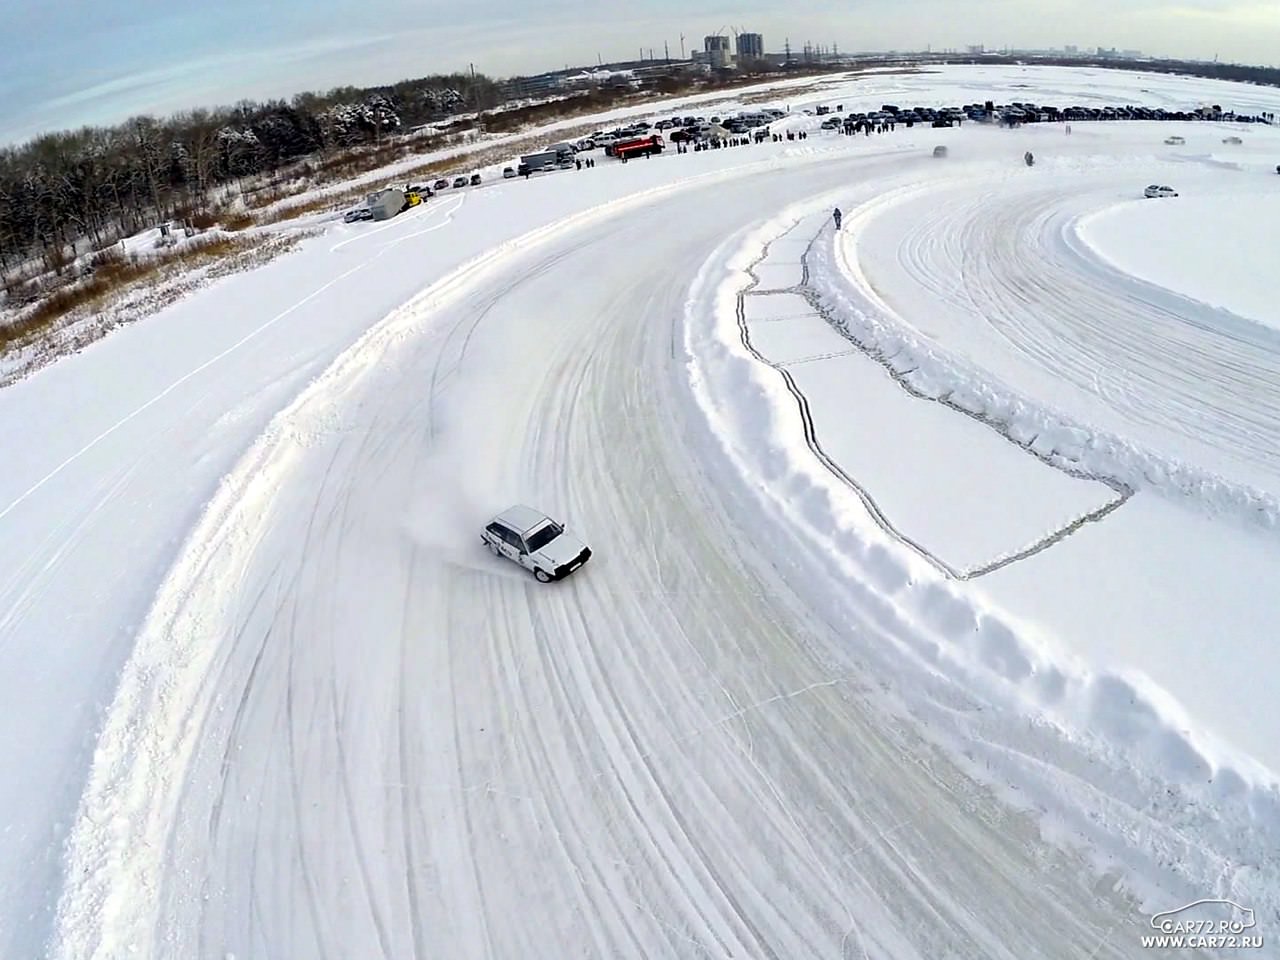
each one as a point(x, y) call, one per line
point(98, 184)
point(103, 183)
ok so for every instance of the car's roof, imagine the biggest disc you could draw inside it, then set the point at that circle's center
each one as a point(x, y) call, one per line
point(521, 518)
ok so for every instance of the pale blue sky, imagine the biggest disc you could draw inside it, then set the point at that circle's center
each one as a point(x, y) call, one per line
point(65, 63)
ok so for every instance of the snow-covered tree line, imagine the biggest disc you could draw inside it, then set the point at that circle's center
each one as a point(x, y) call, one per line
point(102, 183)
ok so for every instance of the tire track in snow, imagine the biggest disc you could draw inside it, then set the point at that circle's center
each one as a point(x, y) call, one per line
point(690, 614)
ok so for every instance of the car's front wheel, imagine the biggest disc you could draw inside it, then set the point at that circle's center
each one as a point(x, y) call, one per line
point(541, 575)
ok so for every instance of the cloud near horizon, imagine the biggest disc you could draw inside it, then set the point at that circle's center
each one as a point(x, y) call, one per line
point(155, 57)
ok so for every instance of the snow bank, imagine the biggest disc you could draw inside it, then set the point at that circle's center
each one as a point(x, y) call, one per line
point(956, 490)
point(1105, 758)
point(1058, 439)
point(1220, 250)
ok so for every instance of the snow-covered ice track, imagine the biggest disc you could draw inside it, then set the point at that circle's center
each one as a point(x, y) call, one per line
point(400, 750)
point(996, 274)
point(821, 308)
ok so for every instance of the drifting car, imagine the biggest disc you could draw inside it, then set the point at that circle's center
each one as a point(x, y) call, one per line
point(1156, 190)
point(536, 542)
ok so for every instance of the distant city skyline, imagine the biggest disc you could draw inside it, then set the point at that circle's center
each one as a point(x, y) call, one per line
point(153, 56)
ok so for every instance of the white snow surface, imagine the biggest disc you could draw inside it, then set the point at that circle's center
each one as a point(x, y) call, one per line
point(931, 612)
point(1218, 247)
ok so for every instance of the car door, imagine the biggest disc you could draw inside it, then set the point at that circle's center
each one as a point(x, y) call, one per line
point(509, 544)
point(523, 556)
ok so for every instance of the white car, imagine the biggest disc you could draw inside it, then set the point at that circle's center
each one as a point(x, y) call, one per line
point(1175, 141)
point(1157, 191)
point(536, 542)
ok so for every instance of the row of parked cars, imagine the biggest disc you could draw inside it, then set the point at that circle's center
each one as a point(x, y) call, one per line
point(413, 195)
point(695, 125)
point(458, 182)
point(1023, 112)
point(737, 124)
point(1033, 113)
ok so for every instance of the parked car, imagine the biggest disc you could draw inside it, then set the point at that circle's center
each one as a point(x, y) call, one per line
point(441, 185)
point(459, 181)
point(475, 179)
point(508, 173)
point(1158, 191)
point(536, 542)
point(360, 213)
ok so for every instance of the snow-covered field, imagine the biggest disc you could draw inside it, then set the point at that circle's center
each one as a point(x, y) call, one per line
point(932, 607)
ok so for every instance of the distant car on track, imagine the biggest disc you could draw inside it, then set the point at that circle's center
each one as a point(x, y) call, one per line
point(1175, 141)
point(1158, 191)
point(536, 542)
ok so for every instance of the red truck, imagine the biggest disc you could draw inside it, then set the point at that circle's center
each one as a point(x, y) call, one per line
point(638, 147)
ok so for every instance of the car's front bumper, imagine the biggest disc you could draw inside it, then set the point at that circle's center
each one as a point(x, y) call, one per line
point(564, 570)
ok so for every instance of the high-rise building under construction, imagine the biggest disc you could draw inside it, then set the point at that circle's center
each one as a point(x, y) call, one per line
point(750, 46)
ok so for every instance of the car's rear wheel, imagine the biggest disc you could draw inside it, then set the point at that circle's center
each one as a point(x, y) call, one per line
point(541, 575)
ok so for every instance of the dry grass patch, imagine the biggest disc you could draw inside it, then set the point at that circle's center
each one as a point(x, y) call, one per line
point(134, 295)
point(237, 221)
point(111, 274)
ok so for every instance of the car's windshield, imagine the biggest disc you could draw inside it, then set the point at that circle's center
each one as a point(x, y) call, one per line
point(542, 536)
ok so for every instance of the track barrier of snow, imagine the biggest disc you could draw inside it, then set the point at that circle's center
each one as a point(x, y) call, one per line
point(1132, 765)
point(929, 372)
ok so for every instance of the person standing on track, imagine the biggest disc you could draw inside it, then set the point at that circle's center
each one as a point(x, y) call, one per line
point(837, 216)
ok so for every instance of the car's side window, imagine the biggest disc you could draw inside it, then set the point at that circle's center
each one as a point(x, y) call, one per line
point(507, 536)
